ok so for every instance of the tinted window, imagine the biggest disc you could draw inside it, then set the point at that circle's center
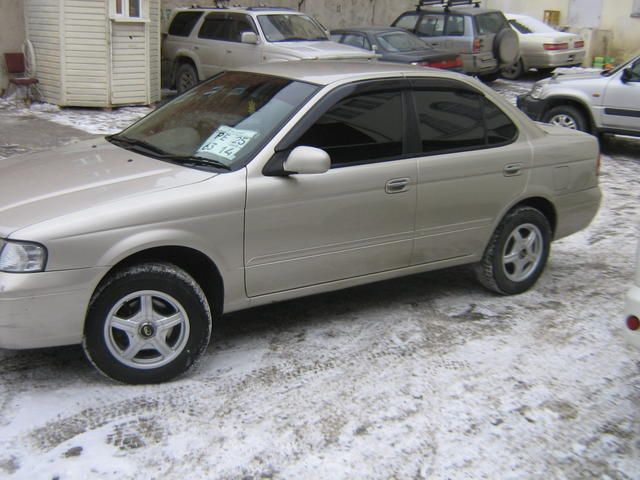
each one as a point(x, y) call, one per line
point(500, 129)
point(214, 27)
point(363, 128)
point(454, 120)
point(183, 23)
point(407, 21)
point(431, 26)
point(238, 24)
point(490, 23)
point(455, 25)
point(356, 40)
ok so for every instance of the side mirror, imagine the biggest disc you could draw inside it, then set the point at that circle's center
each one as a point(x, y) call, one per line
point(307, 160)
point(249, 37)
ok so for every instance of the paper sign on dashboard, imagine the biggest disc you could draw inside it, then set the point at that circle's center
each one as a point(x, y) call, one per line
point(226, 142)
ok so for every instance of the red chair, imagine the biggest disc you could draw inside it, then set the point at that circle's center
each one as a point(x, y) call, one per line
point(17, 72)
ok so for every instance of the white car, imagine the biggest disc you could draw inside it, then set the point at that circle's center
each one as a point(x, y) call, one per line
point(632, 307)
point(542, 47)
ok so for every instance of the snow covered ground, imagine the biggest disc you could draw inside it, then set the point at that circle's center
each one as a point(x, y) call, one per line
point(428, 376)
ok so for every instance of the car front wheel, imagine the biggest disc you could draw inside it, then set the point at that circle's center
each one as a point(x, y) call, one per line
point(186, 77)
point(567, 116)
point(147, 324)
point(517, 252)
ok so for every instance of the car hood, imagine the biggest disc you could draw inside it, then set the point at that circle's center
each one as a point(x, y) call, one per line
point(321, 50)
point(572, 77)
point(50, 184)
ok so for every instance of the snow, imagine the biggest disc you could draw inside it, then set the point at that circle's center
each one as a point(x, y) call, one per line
point(426, 377)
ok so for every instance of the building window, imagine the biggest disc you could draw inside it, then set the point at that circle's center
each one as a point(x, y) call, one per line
point(128, 8)
point(635, 10)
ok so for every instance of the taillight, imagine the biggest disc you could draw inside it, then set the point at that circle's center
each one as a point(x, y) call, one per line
point(477, 45)
point(578, 44)
point(633, 323)
point(457, 62)
point(556, 46)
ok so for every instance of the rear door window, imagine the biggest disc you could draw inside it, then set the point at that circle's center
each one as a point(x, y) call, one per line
point(183, 23)
point(453, 120)
point(215, 27)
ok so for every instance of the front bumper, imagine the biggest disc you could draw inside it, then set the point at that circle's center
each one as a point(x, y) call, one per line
point(632, 307)
point(534, 108)
point(45, 309)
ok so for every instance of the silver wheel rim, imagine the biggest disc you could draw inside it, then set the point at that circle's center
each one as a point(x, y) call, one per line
point(512, 70)
point(564, 120)
point(187, 80)
point(146, 329)
point(522, 252)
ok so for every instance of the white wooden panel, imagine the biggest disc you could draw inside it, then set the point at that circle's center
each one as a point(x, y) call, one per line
point(129, 69)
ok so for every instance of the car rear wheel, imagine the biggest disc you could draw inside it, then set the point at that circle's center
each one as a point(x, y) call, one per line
point(517, 252)
point(513, 71)
point(147, 324)
point(186, 77)
point(567, 116)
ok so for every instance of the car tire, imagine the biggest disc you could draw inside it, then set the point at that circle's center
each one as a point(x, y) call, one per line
point(517, 252)
point(567, 116)
point(506, 46)
point(489, 77)
point(514, 71)
point(147, 323)
point(186, 77)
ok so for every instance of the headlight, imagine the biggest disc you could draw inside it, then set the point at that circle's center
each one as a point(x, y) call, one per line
point(21, 257)
point(536, 91)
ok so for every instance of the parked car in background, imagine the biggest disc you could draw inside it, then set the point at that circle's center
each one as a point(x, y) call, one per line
point(542, 47)
point(482, 37)
point(397, 45)
point(606, 102)
point(202, 42)
point(632, 307)
point(275, 182)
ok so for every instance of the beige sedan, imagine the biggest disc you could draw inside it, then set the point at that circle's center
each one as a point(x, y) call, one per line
point(542, 47)
point(273, 183)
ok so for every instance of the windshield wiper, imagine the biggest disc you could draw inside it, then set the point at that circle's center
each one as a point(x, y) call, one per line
point(197, 160)
point(295, 39)
point(134, 142)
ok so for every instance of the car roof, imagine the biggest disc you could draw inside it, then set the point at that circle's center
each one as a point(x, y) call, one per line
point(288, 11)
point(326, 72)
point(469, 11)
point(369, 29)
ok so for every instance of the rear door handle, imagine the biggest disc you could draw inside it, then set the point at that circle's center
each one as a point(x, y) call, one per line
point(397, 185)
point(512, 169)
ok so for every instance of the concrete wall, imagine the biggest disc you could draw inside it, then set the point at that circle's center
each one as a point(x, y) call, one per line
point(625, 30)
point(11, 33)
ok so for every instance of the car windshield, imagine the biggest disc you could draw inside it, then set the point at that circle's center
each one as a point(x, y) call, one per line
point(219, 123)
point(608, 73)
point(527, 25)
point(400, 42)
point(287, 28)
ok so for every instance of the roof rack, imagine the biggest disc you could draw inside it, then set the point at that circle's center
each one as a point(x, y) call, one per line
point(265, 7)
point(447, 4)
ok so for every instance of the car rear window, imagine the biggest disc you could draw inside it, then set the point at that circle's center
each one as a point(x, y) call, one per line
point(183, 23)
point(490, 23)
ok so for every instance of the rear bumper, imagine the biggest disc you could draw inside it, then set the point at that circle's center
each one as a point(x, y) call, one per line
point(552, 59)
point(479, 63)
point(576, 211)
point(632, 307)
point(45, 309)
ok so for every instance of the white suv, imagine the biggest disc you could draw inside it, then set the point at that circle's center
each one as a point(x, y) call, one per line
point(202, 42)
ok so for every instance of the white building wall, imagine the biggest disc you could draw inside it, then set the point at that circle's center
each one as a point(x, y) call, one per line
point(154, 51)
point(12, 33)
point(42, 22)
point(85, 45)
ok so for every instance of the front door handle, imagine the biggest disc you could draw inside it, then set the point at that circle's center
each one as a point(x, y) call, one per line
point(512, 169)
point(397, 185)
